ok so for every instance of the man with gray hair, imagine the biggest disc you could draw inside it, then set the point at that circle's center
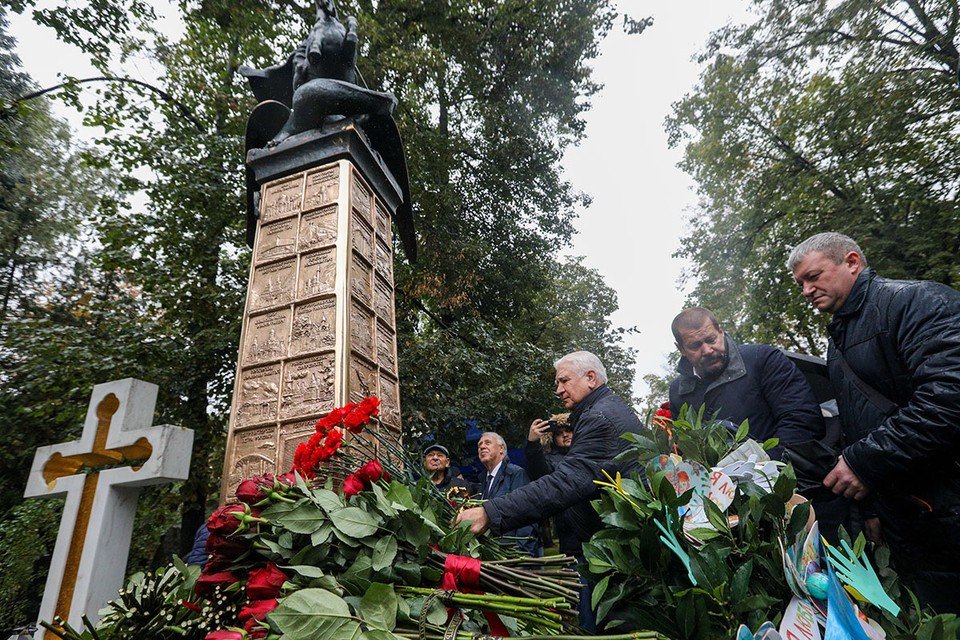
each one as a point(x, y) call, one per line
point(894, 361)
point(598, 419)
point(502, 477)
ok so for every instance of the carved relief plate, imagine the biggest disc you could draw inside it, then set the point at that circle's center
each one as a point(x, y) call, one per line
point(318, 229)
point(382, 221)
point(322, 187)
point(363, 378)
point(276, 240)
point(360, 197)
point(308, 386)
point(253, 454)
point(389, 401)
point(362, 234)
point(281, 199)
point(383, 301)
point(314, 326)
point(361, 329)
point(384, 261)
point(267, 337)
point(292, 434)
point(386, 349)
point(318, 273)
point(360, 281)
point(257, 399)
point(272, 285)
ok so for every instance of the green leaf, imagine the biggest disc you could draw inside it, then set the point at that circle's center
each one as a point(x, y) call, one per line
point(742, 431)
point(315, 613)
point(379, 607)
point(798, 521)
point(384, 553)
point(770, 443)
point(321, 535)
point(327, 500)
point(306, 518)
point(354, 522)
point(741, 581)
point(305, 570)
point(598, 591)
point(377, 634)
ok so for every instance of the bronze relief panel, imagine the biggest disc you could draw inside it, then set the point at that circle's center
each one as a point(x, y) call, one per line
point(308, 386)
point(314, 326)
point(281, 199)
point(276, 240)
point(318, 228)
point(267, 337)
point(272, 285)
point(257, 400)
point(318, 273)
point(322, 187)
point(253, 454)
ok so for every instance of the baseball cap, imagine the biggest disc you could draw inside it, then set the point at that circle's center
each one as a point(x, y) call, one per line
point(437, 447)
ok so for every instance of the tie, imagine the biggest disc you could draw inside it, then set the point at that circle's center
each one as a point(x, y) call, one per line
point(486, 489)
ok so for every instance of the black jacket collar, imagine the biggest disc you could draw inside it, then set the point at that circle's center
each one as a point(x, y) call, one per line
point(591, 399)
point(858, 294)
point(734, 369)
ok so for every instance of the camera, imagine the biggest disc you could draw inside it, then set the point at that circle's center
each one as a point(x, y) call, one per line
point(554, 426)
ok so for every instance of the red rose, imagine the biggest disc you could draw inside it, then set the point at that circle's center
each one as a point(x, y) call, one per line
point(352, 485)
point(254, 490)
point(223, 634)
point(227, 548)
point(372, 471)
point(288, 479)
point(207, 582)
point(254, 630)
point(256, 610)
point(226, 519)
point(265, 582)
point(216, 563)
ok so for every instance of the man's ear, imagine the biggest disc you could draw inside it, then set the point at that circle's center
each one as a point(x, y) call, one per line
point(591, 378)
point(854, 261)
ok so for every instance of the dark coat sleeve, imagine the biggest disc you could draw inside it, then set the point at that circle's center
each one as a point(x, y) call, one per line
point(538, 464)
point(594, 446)
point(924, 322)
point(792, 404)
point(198, 554)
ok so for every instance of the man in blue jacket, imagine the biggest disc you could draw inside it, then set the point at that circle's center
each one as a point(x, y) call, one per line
point(757, 383)
point(502, 477)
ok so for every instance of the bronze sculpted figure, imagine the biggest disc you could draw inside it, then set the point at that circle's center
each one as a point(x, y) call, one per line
point(317, 87)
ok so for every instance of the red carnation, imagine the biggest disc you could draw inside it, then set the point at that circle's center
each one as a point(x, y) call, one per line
point(352, 485)
point(207, 582)
point(264, 583)
point(223, 634)
point(372, 471)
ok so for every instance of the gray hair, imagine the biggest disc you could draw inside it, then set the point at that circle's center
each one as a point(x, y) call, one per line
point(503, 443)
point(581, 362)
point(832, 245)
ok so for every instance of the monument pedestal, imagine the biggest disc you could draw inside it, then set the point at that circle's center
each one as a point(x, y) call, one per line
point(319, 328)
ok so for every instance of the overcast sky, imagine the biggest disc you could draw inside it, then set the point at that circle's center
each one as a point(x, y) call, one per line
point(641, 200)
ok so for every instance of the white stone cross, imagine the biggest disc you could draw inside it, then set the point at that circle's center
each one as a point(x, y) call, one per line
point(101, 475)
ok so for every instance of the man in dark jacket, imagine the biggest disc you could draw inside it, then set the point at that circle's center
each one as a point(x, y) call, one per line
point(436, 462)
point(502, 477)
point(735, 382)
point(599, 418)
point(894, 361)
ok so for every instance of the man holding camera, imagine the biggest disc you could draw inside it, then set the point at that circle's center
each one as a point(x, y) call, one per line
point(598, 419)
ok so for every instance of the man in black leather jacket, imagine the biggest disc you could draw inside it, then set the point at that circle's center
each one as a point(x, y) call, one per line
point(599, 418)
point(894, 361)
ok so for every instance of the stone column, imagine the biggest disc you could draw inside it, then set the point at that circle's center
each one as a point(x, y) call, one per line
point(319, 327)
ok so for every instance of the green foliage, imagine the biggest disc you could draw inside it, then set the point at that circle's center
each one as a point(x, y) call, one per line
point(837, 116)
point(738, 569)
point(27, 533)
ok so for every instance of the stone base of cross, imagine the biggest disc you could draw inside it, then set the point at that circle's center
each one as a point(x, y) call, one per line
point(101, 475)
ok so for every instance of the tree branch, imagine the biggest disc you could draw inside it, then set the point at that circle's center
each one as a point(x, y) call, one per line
point(4, 113)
